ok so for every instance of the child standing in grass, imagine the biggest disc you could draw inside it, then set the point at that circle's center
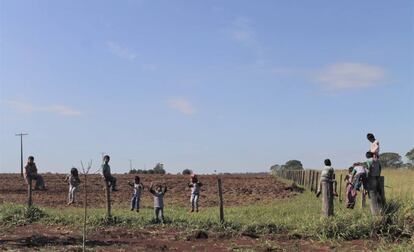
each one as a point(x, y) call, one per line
point(106, 173)
point(327, 174)
point(136, 196)
point(195, 185)
point(350, 192)
point(158, 193)
point(73, 181)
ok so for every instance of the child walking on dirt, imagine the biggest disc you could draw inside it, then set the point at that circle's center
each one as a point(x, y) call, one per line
point(74, 182)
point(30, 173)
point(327, 174)
point(136, 196)
point(158, 193)
point(195, 185)
point(106, 173)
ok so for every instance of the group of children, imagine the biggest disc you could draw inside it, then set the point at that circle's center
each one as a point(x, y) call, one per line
point(358, 174)
point(158, 191)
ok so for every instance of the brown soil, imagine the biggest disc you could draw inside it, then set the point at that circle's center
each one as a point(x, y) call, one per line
point(55, 238)
point(237, 190)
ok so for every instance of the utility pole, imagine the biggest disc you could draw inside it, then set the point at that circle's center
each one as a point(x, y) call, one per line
point(130, 165)
point(21, 151)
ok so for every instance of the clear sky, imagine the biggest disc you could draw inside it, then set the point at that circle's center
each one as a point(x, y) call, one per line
point(232, 86)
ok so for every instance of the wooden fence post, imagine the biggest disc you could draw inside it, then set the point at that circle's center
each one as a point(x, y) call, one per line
point(29, 192)
point(340, 188)
point(382, 189)
point(312, 180)
point(375, 195)
point(108, 199)
point(363, 200)
point(303, 178)
point(327, 197)
point(220, 191)
point(317, 181)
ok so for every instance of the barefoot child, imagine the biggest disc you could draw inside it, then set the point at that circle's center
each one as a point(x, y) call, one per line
point(158, 193)
point(136, 196)
point(73, 181)
point(195, 192)
point(106, 173)
point(350, 191)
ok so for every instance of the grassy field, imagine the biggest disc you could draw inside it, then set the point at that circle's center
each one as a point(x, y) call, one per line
point(399, 184)
point(298, 217)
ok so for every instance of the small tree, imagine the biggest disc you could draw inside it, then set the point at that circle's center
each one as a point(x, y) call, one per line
point(159, 169)
point(275, 168)
point(410, 156)
point(187, 172)
point(293, 165)
point(390, 160)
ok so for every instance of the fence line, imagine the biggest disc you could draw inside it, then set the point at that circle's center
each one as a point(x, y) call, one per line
point(308, 179)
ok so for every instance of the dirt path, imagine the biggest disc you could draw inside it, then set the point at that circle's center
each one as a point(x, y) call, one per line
point(55, 238)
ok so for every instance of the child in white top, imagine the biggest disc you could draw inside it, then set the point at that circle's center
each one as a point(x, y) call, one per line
point(74, 182)
point(136, 196)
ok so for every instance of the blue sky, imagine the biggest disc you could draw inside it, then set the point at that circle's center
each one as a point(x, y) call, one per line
point(232, 86)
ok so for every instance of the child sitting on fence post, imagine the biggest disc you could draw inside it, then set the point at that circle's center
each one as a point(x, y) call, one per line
point(73, 181)
point(327, 174)
point(195, 185)
point(136, 196)
point(158, 193)
point(30, 173)
point(106, 172)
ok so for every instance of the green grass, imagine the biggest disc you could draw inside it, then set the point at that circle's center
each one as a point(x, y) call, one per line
point(298, 217)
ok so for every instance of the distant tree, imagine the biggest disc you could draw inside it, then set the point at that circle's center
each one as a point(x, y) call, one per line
point(390, 160)
point(410, 155)
point(187, 172)
point(132, 171)
point(275, 168)
point(159, 169)
point(293, 165)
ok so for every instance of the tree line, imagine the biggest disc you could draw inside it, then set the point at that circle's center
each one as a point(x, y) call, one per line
point(387, 160)
point(158, 169)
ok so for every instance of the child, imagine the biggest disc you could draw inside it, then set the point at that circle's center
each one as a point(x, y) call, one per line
point(30, 173)
point(350, 192)
point(373, 165)
point(195, 192)
point(73, 181)
point(375, 148)
point(327, 174)
point(359, 176)
point(158, 193)
point(136, 197)
point(106, 172)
